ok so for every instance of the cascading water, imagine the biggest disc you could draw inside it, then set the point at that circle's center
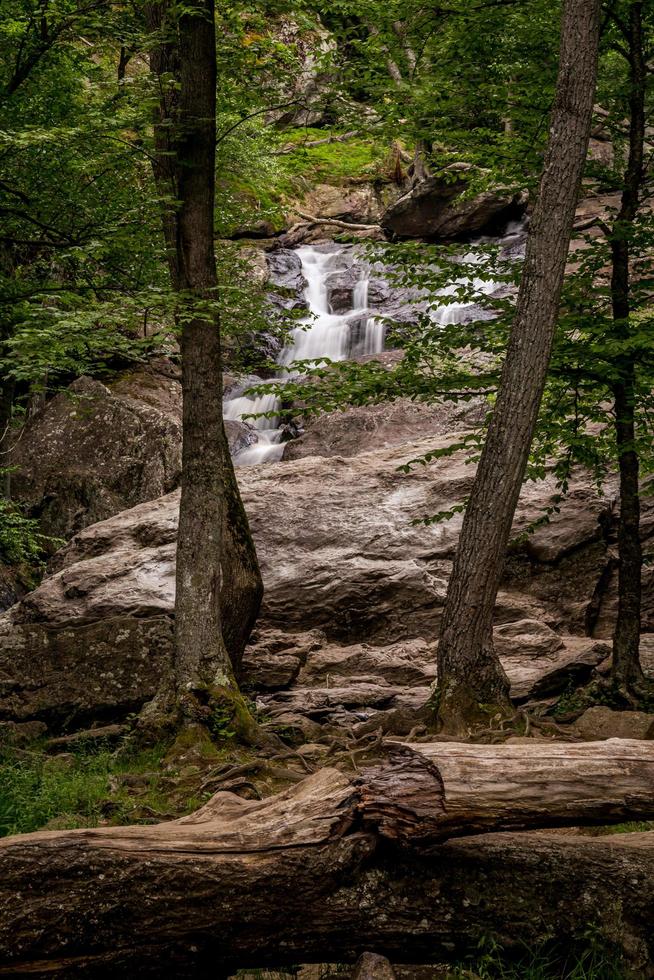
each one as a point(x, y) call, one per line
point(456, 312)
point(321, 334)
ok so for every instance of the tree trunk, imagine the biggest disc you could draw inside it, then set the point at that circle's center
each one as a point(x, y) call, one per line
point(472, 683)
point(7, 390)
point(627, 673)
point(340, 864)
point(204, 679)
point(241, 586)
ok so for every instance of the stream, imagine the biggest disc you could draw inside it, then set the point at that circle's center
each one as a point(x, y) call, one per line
point(341, 330)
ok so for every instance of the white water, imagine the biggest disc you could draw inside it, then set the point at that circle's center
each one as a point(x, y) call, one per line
point(320, 335)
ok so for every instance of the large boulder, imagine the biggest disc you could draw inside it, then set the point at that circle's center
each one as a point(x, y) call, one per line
point(601, 722)
point(339, 554)
point(285, 273)
point(438, 207)
point(94, 449)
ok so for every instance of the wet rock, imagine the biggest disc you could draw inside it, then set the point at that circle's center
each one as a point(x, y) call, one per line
point(600, 722)
point(239, 435)
point(285, 272)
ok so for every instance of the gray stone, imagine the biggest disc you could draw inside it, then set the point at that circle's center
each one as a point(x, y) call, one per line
point(94, 450)
point(353, 584)
point(372, 966)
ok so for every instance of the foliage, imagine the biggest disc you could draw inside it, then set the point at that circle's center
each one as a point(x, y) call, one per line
point(21, 542)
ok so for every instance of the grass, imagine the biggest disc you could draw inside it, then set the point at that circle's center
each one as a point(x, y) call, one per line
point(589, 959)
point(289, 176)
point(82, 789)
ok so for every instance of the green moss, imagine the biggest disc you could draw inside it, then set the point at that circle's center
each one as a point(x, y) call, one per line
point(333, 163)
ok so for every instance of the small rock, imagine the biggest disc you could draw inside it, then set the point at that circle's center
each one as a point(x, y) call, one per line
point(371, 966)
point(21, 733)
point(312, 749)
point(601, 722)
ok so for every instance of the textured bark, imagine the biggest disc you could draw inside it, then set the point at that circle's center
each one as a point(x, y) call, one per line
point(241, 587)
point(472, 682)
point(335, 866)
point(627, 672)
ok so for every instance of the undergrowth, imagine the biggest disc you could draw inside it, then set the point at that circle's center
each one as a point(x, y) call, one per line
point(81, 789)
point(590, 958)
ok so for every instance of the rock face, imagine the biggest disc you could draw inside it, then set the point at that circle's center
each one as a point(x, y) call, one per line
point(94, 450)
point(351, 431)
point(359, 203)
point(435, 208)
point(304, 85)
point(353, 590)
point(285, 272)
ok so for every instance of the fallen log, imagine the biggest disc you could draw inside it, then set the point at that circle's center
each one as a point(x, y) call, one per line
point(339, 864)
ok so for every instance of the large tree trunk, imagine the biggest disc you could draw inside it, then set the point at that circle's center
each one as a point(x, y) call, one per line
point(241, 586)
point(471, 680)
point(627, 673)
point(340, 864)
point(204, 680)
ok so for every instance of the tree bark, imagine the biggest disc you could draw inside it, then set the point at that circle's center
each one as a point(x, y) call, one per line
point(340, 864)
point(205, 687)
point(241, 584)
point(627, 672)
point(472, 683)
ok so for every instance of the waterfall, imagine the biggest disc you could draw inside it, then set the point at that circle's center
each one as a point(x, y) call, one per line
point(338, 271)
point(321, 334)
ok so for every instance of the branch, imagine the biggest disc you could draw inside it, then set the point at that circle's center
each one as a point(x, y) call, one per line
point(259, 112)
point(349, 225)
point(291, 147)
